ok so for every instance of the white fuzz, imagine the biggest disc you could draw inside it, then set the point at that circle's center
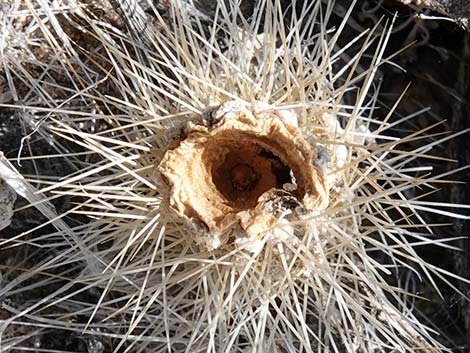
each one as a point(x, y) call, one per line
point(118, 265)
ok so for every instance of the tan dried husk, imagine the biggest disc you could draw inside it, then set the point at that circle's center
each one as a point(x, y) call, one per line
point(199, 169)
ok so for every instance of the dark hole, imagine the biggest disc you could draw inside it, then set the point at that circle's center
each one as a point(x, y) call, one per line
point(246, 171)
point(279, 169)
point(243, 177)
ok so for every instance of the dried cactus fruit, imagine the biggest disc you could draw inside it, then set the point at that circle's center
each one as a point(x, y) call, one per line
point(221, 171)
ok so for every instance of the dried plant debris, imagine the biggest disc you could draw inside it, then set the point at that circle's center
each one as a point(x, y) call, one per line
point(277, 220)
point(457, 10)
